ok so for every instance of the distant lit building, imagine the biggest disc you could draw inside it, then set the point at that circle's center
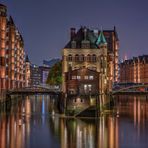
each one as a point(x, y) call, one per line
point(35, 76)
point(12, 54)
point(44, 73)
point(134, 70)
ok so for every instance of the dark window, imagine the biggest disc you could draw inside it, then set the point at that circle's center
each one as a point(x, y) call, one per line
point(82, 58)
point(89, 58)
point(94, 58)
point(76, 57)
point(2, 61)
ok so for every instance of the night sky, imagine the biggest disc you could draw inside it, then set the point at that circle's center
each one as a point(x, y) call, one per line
point(45, 24)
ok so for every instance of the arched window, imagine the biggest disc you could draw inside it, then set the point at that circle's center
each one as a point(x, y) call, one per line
point(94, 58)
point(89, 58)
point(76, 57)
point(69, 57)
point(82, 58)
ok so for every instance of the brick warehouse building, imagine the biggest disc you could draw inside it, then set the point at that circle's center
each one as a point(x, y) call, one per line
point(12, 54)
point(134, 70)
point(90, 62)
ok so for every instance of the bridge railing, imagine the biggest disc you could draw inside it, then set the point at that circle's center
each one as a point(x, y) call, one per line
point(36, 89)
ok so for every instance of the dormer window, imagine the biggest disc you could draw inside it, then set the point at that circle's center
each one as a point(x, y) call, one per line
point(85, 44)
point(73, 44)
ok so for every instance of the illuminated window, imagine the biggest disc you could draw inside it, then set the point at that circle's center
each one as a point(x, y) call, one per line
point(78, 77)
point(74, 77)
point(85, 87)
point(89, 87)
point(91, 77)
point(86, 77)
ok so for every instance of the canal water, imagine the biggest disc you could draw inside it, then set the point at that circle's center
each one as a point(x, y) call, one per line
point(33, 123)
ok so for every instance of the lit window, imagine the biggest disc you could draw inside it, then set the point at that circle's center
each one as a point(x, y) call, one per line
point(86, 77)
point(91, 77)
point(78, 77)
point(85, 87)
point(89, 87)
point(73, 77)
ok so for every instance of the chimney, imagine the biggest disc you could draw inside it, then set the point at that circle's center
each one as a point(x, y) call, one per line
point(72, 33)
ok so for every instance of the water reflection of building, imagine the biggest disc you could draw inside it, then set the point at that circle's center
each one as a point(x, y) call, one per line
point(134, 70)
point(14, 128)
point(89, 133)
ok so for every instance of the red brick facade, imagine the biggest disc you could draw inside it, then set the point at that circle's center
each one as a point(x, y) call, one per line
point(134, 70)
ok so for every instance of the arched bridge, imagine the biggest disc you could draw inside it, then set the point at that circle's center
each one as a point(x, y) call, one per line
point(137, 89)
point(35, 90)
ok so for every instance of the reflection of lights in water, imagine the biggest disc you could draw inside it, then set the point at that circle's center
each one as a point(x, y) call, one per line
point(23, 110)
point(91, 137)
point(117, 114)
point(79, 137)
point(43, 106)
point(111, 133)
point(23, 133)
point(43, 110)
point(8, 133)
point(65, 136)
point(28, 106)
point(20, 122)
